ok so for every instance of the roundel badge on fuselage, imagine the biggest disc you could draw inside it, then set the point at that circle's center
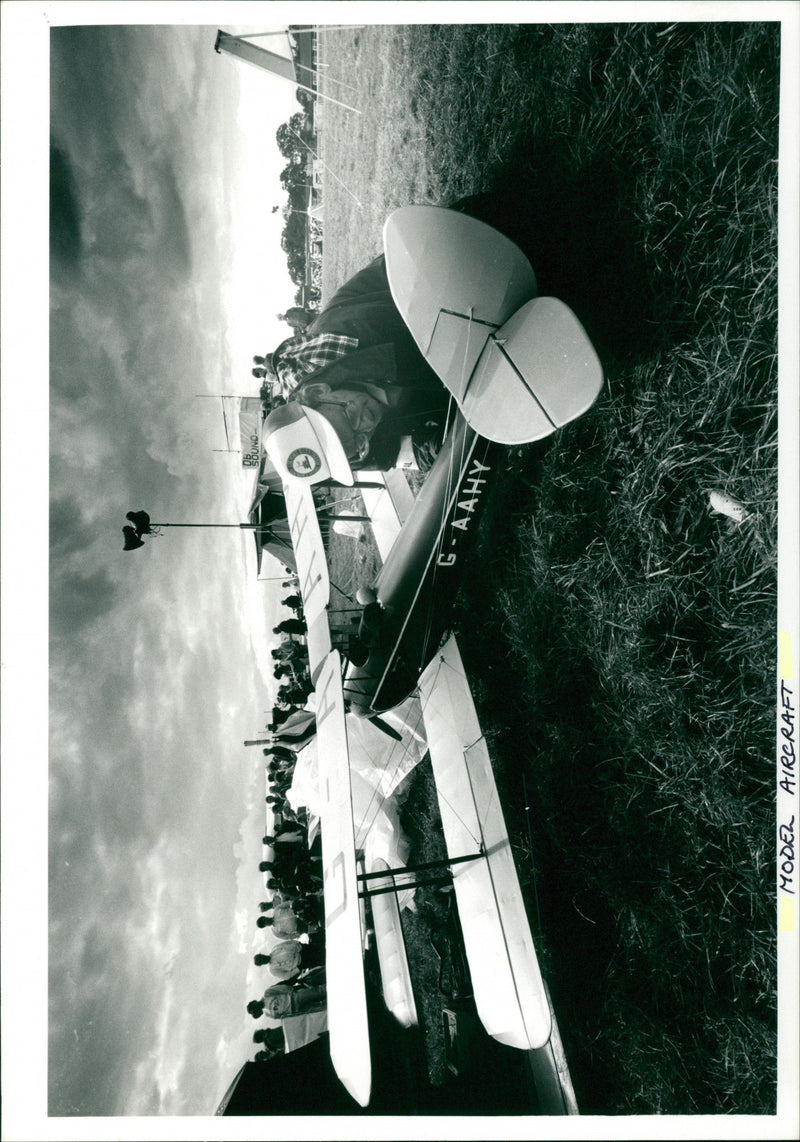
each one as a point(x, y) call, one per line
point(303, 462)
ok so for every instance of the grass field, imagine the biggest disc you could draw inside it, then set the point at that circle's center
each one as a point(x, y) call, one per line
point(620, 634)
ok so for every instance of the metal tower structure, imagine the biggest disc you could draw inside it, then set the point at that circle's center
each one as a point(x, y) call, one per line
point(241, 48)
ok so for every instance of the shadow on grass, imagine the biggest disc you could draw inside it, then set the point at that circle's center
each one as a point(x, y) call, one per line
point(574, 929)
point(572, 225)
point(538, 702)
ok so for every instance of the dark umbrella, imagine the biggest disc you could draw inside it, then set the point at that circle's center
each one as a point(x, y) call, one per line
point(132, 540)
point(141, 521)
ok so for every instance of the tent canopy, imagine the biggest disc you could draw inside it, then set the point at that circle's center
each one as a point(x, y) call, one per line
point(268, 508)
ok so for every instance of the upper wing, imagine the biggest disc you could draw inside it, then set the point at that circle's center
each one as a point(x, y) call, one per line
point(347, 1003)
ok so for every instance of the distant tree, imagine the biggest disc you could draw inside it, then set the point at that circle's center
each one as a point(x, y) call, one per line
point(296, 142)
point(293, 244)
point(295, 136)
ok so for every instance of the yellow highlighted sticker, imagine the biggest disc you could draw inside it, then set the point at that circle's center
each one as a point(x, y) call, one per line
point(787, 914)
point(785, 653)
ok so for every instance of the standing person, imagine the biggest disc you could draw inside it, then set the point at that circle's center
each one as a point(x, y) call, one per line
point(286, 835)
point(272, 1038)
point(272, 1046)
point(282, 1000)
point(280, 752)
point(288, 958)
point(357, 364)
point(290, 626)
point(298, 317)
point(286, 923)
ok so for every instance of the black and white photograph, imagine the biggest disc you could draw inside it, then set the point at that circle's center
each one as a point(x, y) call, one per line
point(400, 613)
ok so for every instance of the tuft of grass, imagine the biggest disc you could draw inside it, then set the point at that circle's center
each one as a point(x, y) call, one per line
point(422, 825)
point(621, 635)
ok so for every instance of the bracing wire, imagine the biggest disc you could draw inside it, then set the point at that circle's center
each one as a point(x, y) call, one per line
point(533, 870)
point(327, 168)
point(384, 798)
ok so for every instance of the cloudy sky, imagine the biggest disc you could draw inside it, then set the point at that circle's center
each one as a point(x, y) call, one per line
point(166, 276)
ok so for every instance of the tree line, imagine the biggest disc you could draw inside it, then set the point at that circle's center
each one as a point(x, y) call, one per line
point(297, 143)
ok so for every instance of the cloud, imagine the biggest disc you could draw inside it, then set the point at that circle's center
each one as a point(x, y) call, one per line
point(147, 789)
point(70, 531)
point(65, 214)
point(174, 242)
point(153, 684)
point(81, 600)
point(78, 596)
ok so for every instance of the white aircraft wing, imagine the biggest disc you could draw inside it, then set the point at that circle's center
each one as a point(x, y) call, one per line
point(312, 571)
point(344, 966)
point(507, 983)
point(398, 993)
point(387, 507)
point(347, 1002)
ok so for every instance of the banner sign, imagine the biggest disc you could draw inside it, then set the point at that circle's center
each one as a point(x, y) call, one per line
point(250, 430)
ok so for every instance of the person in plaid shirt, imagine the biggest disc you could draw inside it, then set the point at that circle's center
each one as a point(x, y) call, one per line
point(299, 357)
point(358, 365)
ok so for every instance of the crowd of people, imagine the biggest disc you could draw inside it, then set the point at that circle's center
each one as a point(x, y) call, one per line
point(294, 912)
point(298, 318)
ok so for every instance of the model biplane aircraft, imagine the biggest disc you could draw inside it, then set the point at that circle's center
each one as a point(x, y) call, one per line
point(517, 366)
